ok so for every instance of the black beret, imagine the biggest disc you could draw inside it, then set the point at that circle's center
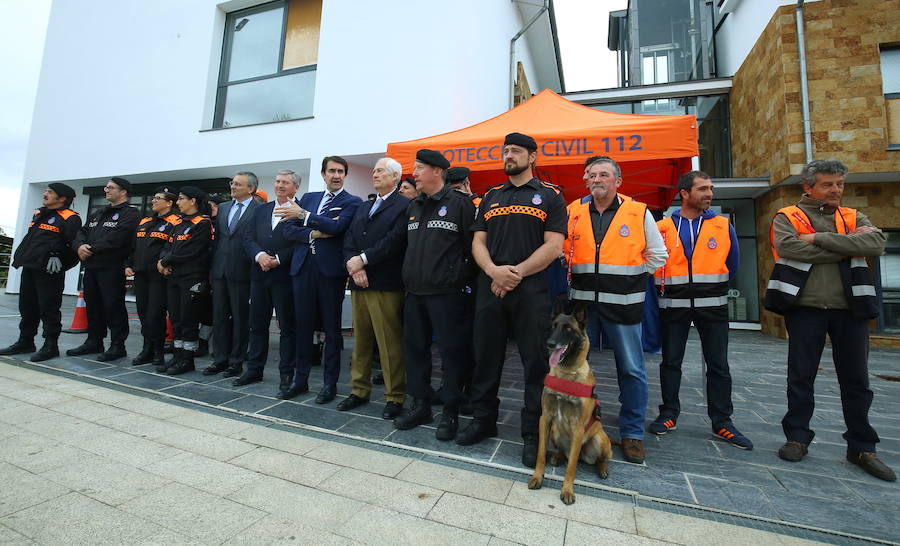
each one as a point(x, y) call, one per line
point(430, 157)
point(166, 189)
point(457, 174)
point(62, 190)
point(194, 193)
point(121, 182)
point(519, 139)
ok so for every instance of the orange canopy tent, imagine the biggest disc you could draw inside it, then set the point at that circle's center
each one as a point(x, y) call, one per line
point(653, 151)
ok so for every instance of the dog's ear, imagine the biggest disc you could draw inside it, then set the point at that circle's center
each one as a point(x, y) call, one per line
point(580, 312)
point(559, 305)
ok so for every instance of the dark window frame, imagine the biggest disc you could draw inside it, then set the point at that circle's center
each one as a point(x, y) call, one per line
point(879, 287)
point(223, 84)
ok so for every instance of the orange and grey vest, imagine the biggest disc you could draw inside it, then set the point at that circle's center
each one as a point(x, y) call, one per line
point(610, 272)
point(789, 276)
point(695, 288)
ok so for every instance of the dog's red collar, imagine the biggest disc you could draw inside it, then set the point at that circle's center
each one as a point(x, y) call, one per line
point(572, 388)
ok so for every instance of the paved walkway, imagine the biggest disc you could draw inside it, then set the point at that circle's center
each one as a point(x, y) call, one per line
point(84, 464)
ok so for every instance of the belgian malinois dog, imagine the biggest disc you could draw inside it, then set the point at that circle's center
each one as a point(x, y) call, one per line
point(567, 406)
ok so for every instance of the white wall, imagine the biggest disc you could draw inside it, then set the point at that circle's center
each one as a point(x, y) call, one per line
point(741, 29)
point(127, 89)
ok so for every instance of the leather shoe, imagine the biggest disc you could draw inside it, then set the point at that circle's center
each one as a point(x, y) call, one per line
point(870, 462)
point(233, 371)
point(391, 410)
point(447, 426)
point(327, 394)
point(115, 352)
point(529, 450)
point(246, 378)
point(292, 391)
point(632, 450)
point(350, 402)
point(792, 451)
point(418, 414)
point(214, 368)
point(478, 430)
point(90, 346)
point(19, 347)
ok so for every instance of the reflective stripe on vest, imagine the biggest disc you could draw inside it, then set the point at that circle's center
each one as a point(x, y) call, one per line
point(789, 276)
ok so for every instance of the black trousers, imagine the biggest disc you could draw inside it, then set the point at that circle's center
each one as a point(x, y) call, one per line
point(185, 326)
point(151, 298)
point(264, 296)
point(40, 297)
point(231, 321)
point(443, 316)
point(523, 314)
point(806, 328)
point(104, 296)
point(714, 343)
point(318, 301)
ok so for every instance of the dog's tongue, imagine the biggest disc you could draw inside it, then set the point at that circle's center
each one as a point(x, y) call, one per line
point(555, 356)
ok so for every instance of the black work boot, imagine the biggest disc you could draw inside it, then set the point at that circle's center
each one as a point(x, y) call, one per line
point(447, 425)
point(90, 346)
point(115, 352)
point(146, 354)
point(418, 414)
point(186, 364)
point(159, 357)
point(19, 347)
point(176, 358)
point(48, 351)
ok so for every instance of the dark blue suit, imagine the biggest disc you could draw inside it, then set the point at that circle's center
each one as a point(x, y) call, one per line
point(268, 290)
point(319, 276)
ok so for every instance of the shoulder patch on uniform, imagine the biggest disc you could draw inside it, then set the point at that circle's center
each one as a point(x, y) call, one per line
point(66, 213)
point(197, 219)
point(145, 219)
point(553, 187)
point(173, 219)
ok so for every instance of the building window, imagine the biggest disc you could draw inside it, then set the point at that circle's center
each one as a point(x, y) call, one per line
point(268, 70)
point(888, 270)
point(890, 81)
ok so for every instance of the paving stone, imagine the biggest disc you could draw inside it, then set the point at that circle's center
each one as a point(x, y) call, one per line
point(22, 489)
point(88, 410)
point(423, 438)
point(203, 473)
point(193, 513)
point(202, 443)
point(880, 495)
point(77, 519)
point(215, 424)
point(814, 485)
point(393, 494)
point(105, 480)
point(286, 466)
point(680, 529)
point(204, 393)
point(251, 403)
point(152, 408)
point(8, 537)
point(506, 522)
point(316, 417)
point(588, 535)
point(730, 496)
point(275, 530)
point(370, 428)
point(125, 448)
point(464, 482)
point(368, 460)
point(292, 442)
point(586, 509)
point(137, 424)
point(839, 515)
point(375, 525)
point(36, 453)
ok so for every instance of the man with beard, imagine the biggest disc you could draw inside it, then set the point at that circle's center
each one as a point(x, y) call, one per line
point(693, 287)
point(613, 245)
point(518, 231)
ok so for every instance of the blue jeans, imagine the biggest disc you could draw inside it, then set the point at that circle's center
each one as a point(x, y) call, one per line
point(626, 344)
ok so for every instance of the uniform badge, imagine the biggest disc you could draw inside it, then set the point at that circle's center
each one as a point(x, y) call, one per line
point(163, 227)
point(623, 231)
point(442, 211)
point(712, 243)
point(115, 216)
point(51, 220)
point(537, 199)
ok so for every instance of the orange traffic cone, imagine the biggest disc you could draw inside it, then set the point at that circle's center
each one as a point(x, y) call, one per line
point(169, 335)
point(79, 319)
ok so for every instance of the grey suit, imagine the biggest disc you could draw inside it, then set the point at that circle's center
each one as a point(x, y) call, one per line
point(231, 287)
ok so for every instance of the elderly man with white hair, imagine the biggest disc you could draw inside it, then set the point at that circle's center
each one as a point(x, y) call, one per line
point(373, 252)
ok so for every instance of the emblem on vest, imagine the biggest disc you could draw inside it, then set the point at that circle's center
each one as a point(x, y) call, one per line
point(110, 224)
point(115, 216)
point(92, 224)
point(623, 231)
point(51, 220)
point(163, 227)
point(537, 199)
point(712, 243)
point(442, 211)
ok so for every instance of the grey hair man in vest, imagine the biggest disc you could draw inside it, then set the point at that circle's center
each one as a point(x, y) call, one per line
point(822, 285)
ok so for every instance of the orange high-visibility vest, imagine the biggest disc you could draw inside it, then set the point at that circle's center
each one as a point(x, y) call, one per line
point(611, 272)
point(789, 276)
point(695, 287)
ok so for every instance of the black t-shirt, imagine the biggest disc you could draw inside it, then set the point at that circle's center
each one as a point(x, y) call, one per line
point(515, 219)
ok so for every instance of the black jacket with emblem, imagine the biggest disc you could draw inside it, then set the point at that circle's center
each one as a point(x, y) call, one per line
point(438, 243)
point(50, 234)
point(109, 231)
point(152, 235)
point(189, 247)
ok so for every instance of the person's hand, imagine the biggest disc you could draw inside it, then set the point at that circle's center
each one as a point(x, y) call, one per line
point(267, 262)
point(164, 270)
point(54, 265)
point(497, 291)
point(361, 279)
point(506, 277)
point(355, 264)
point(129, 272)
point(807, 237)
point(863, 229)
point(316, 234)
point(85, 252)
point(289, 211)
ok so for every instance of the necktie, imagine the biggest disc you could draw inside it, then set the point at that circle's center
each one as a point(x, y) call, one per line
point(327, 203)
point(375, 206)
point(236, 216)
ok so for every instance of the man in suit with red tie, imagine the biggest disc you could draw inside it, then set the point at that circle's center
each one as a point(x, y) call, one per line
point(373, 252)
point(270, 282)
point(318, 273)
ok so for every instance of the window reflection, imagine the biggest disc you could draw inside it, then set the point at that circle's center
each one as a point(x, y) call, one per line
point(274, 99)
point(256, 44)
